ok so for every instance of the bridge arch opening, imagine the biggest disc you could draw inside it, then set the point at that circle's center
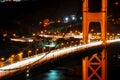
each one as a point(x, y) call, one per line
point(95, 27)
point(94, 31)
point(94, 5)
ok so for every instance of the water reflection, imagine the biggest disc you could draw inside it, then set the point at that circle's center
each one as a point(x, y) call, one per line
point(50, 75)
point(55, 75)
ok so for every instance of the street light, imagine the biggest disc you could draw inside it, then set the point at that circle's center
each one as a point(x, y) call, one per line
point(29, 52)
point(61, 45)
point(116, 3)
point(2, 61)
point(20, 56)
point(66, 20)
point(11, 60)
point(43, 49)
point(73, 17)
point(36, 51)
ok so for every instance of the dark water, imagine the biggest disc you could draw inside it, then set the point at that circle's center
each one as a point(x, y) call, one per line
point(113, 73)
point(55, 74)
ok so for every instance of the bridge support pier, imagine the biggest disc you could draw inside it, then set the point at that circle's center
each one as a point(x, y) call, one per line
point(95, 66)
point(20, 56)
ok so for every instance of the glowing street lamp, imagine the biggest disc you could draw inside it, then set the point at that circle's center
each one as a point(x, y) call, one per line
point(29, 52)
point(1, 63)
point(61, 45)
point(73, 17)
point(116, 3)
point(2, 59)
point(66, 19)
point(20, 56)
point(43, 49)
point(36, 51)
point(11, 60)
point(33, 34)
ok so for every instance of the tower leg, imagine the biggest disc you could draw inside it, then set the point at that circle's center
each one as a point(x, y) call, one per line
point(95, 67)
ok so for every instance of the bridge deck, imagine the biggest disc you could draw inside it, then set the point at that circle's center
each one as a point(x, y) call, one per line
point(39, 59)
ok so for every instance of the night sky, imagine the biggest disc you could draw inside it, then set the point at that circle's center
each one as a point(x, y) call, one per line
point(29, 13)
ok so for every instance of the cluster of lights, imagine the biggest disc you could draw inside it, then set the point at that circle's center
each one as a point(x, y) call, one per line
point(10, 0)
point(67, 19)
point(70, 18)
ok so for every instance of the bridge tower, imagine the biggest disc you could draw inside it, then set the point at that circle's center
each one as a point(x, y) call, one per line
point(95, 67)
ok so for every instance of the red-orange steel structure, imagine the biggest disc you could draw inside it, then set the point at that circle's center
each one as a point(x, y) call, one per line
point(95, 67)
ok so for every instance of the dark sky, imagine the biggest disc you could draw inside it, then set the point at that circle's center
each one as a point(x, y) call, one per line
point(29, 12)
point(26, 13)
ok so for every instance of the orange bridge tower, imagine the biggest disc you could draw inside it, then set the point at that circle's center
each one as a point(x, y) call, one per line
point(95, 67)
